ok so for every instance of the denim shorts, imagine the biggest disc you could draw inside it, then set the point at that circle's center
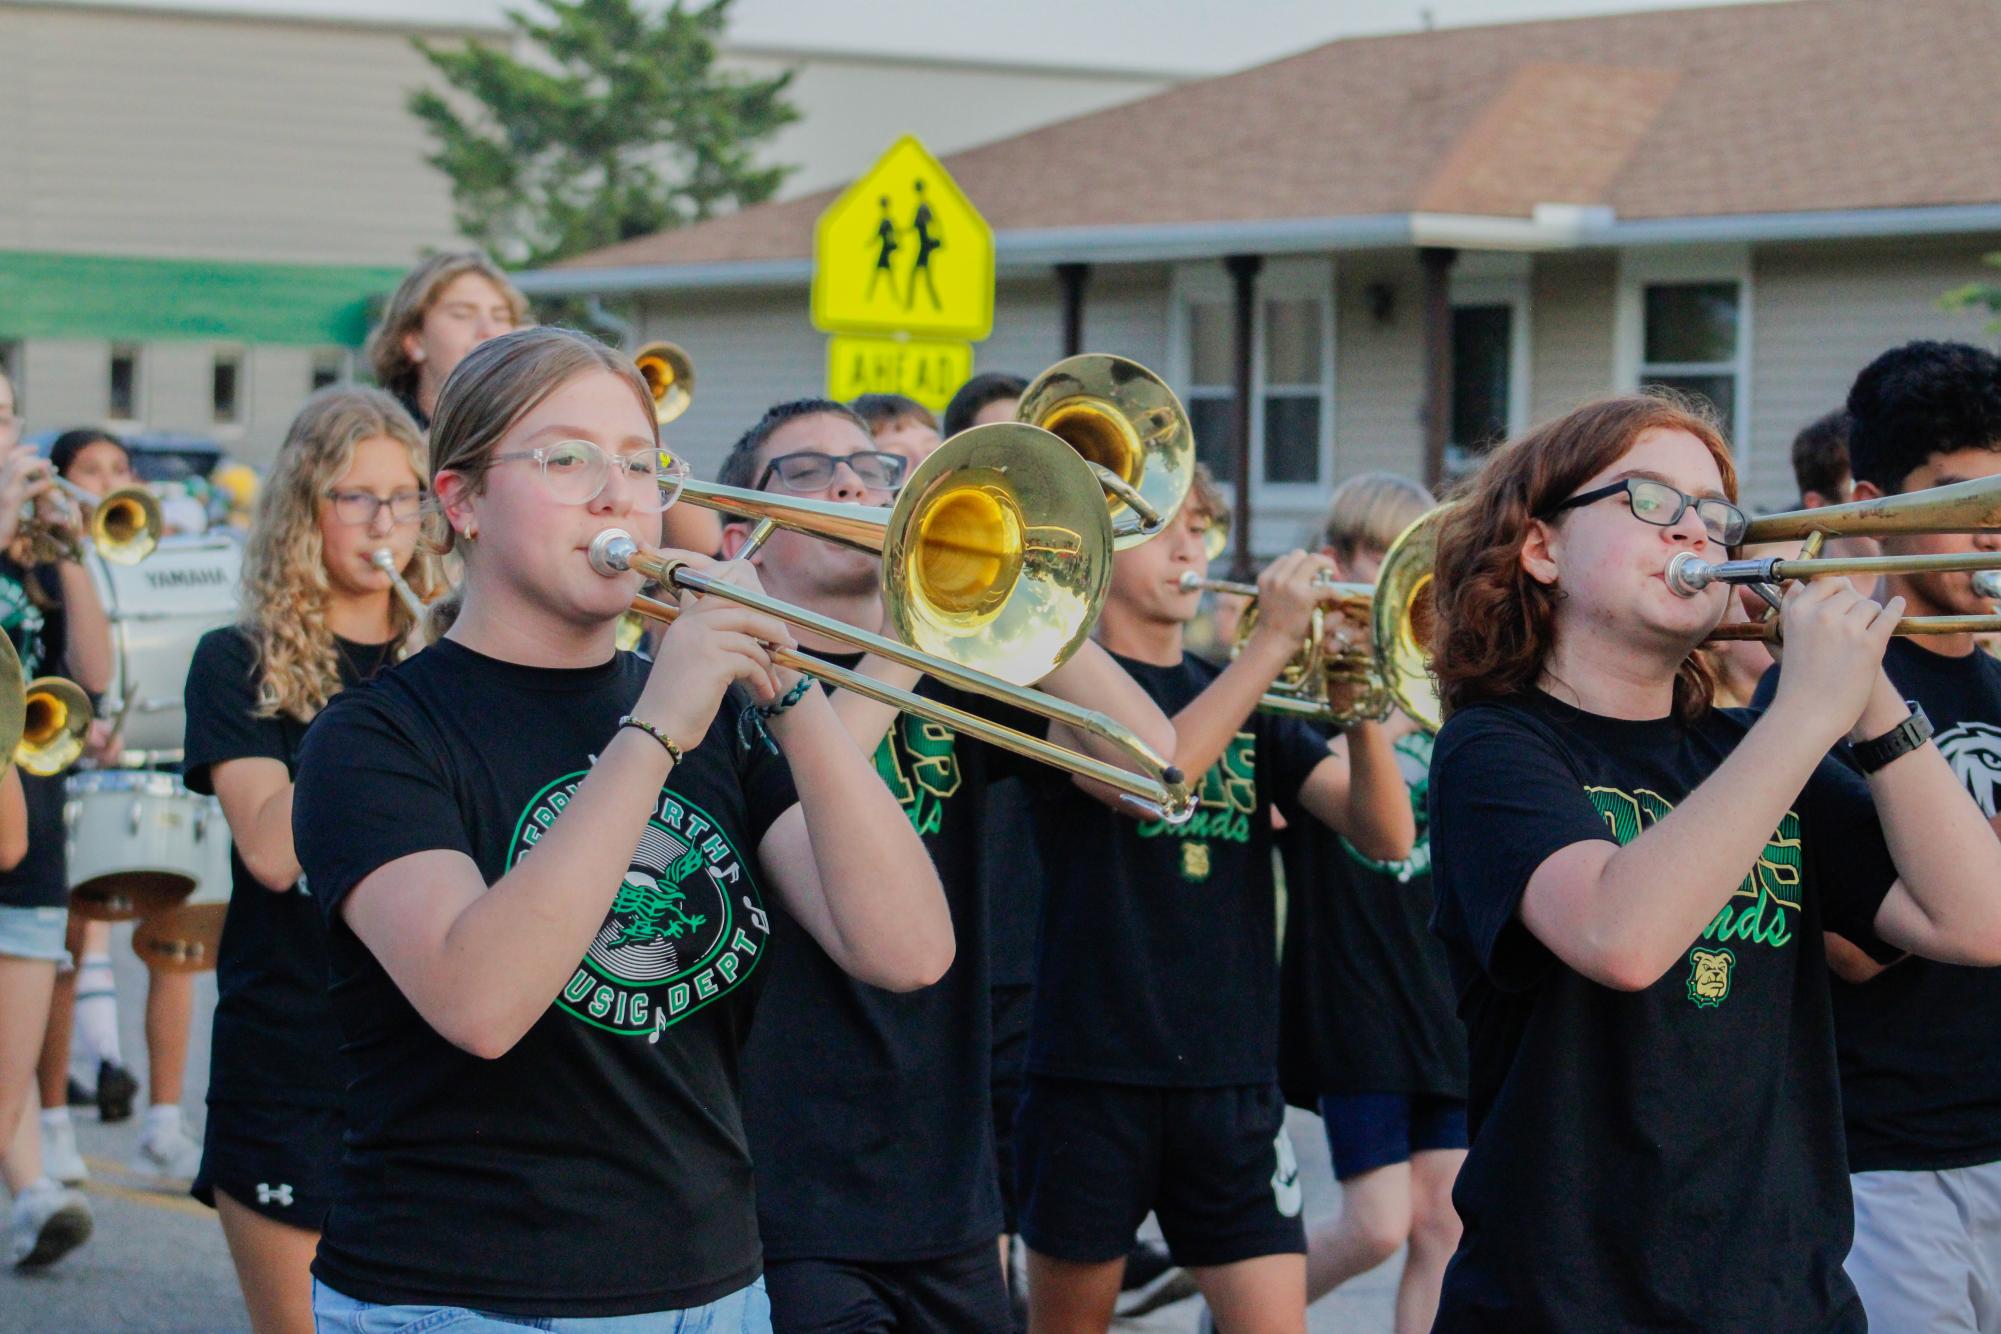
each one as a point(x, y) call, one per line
point(745, 1311)
point(34, 933)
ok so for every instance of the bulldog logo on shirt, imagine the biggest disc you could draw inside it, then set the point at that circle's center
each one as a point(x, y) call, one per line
point(1974, 752)
point(685, 928)
point(1195, 861)
point(1709, 976)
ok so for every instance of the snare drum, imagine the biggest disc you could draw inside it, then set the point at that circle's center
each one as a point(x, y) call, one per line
point(186, 939)
point(160, 609)
point(139, 842)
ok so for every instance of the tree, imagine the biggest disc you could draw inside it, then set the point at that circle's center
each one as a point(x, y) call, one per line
point(617, 124)
point(1977, 295)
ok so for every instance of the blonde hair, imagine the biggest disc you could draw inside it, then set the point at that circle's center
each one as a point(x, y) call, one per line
point(1369, 511)
point(285, 587)
point(404, 315)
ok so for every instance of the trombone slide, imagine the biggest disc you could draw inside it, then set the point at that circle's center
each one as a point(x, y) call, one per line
point(1166, 796)
point(1688, 574)
point(384, 560)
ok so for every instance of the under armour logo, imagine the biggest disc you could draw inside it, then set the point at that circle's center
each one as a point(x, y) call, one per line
point(269, 1194)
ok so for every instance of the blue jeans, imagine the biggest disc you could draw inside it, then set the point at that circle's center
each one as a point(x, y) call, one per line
point(745, 1311)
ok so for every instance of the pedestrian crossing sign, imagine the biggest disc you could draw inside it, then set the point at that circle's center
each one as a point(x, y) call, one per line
point(903, 250)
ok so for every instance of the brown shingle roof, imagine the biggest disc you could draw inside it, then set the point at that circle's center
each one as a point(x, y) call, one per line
point(1764, 108)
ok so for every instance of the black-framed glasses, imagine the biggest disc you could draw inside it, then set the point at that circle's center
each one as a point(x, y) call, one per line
point(576, 472)
point(1662, 505)
point(811, 470)
point(359, 508)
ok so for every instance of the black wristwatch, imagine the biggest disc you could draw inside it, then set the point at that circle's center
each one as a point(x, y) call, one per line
point(1902, 739)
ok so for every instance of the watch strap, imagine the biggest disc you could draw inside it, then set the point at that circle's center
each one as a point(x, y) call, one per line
point(1902, 739)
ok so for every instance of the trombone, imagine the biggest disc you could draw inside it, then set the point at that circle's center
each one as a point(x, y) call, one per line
point(669, 373)
point(1161, 790)
point(44, 722)
point(1128, 425)
point(1365, 681)
point(125, 526)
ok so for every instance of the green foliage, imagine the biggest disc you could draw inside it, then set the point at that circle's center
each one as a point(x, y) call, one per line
point(615, 124)
point(1978, 295)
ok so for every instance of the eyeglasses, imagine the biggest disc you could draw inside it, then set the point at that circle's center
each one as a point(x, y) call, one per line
point(1662, 505)
point(576, 472)
point(811, 470)
point(359, 508)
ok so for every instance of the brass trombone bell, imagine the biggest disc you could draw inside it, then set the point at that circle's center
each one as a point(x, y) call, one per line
point(1128, 425)
point(1159, 790)
point(55, 719)
point(669, 373)
point(996, 555)
point(126, 525)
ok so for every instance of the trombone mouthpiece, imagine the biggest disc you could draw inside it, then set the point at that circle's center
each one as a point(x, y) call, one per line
point(382, 559)
point(1190, 581)
point(1987, 583)
point(1688, 574)
point(612, 551)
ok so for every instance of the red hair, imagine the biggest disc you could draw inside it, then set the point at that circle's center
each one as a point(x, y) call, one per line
point(1495, 624)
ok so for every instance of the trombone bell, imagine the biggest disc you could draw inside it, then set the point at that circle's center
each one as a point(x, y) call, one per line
point(669, 373)
point(126, 525)
point(1120, 417)
point(55, 720)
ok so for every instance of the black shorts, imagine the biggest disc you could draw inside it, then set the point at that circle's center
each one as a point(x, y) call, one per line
point(1214, 1163)
point(278, 1161)
point(1013, 1007)
point(963, 1292)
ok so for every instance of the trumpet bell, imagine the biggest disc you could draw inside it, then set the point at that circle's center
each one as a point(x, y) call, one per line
point(1402, 620)
point(998, 553)
point(669, 373)
point(1119, 415)
point(126, 525)
point(55, 719)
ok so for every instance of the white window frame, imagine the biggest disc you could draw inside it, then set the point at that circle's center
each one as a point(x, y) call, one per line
point(1639, 269)
point(1280, 278)
point(1499, 280)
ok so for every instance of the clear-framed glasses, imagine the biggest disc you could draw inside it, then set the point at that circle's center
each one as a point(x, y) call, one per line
point(576, 472)
point(811, 470)
point(359, 508)
point(1662, 505)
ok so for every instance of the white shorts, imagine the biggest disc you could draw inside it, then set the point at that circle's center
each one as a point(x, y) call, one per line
point(1927, 1253)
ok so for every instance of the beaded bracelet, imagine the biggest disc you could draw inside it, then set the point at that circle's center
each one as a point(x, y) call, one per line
point(792, 696)
point(641, 725)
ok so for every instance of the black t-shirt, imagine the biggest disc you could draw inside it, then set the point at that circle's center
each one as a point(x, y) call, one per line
point(599, 1167)
point(1011, 863)
point(275, 1037)
point(38, 632)
point(868, 1109)
point(1668, 1158)
point(1367, 1002)
point(1920, 1071)
point(1157, 959)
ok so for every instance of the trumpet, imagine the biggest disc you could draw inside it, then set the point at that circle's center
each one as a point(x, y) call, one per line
point(125, 526)
point(669, 373)
point(383, 559)
point(1362, 681)
point(1128, 425)
point(1160, 791)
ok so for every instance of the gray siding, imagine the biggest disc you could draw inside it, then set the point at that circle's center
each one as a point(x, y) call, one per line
point(750, 351)
point(1378, 369)
point(1570, 341)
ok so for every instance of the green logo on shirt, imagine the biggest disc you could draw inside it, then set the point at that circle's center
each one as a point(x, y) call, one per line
point(1413, 754)
point(1225, 803)
point(685, 928)
point(919, 762)
point(1758, 912)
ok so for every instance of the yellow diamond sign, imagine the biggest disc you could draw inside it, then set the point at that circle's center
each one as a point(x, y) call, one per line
point(904, 251)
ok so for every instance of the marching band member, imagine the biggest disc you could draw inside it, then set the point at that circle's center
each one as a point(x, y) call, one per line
point(1368, 1036)
point(444, 308)
point(48, 1219)
point(545, 868)
point(852, 1094)
point(318, 616)
point(1152, 1064)
point(1633, 887)
point(1920, 1076)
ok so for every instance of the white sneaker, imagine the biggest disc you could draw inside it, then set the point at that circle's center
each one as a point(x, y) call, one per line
point(60, 1158)
point(50, 1221)
point(168, 1156)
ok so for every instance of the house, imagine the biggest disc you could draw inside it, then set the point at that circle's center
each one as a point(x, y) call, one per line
point(1435, 239)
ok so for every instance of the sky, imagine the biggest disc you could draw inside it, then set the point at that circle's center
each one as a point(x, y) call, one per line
point(1180, 36)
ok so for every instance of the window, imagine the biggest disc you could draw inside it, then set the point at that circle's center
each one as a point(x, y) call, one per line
point(1690, 341)
point(225, 388)
point(1291, 369)
point(122, 390)
point(329, 368)
point(1482, 371)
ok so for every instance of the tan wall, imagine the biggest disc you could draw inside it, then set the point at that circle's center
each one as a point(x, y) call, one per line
point(1378, 369)
point(158, 134)
point(1821, 314)
point(1570, 340)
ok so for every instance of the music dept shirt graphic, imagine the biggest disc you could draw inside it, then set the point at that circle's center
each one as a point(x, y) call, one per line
point(1667, 1158)
point(869, 1111)
point(1920, 1070)
point(600, 1166)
